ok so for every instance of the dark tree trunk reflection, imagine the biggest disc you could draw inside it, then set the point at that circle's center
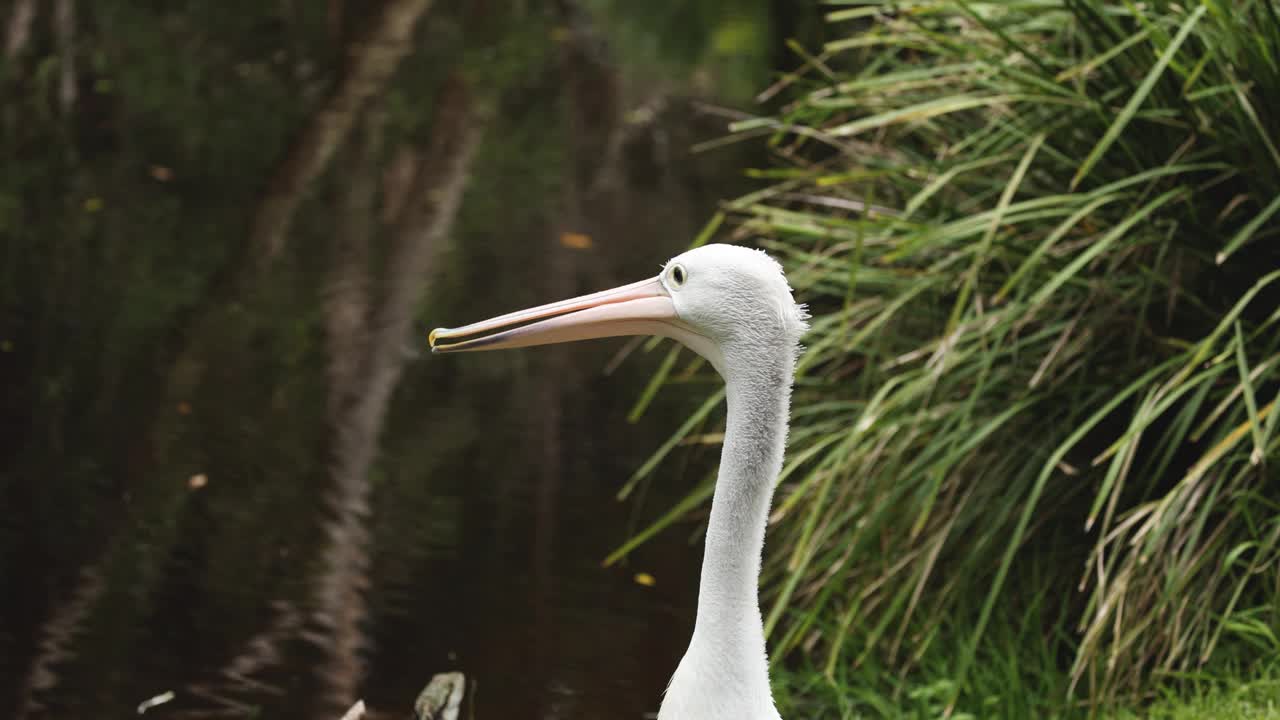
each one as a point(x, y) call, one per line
point(365, 366)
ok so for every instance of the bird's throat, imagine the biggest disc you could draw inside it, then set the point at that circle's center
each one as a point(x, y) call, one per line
point(728, 619)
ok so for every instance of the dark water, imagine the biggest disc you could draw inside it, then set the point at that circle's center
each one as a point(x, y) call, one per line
point(220, 567)
point(486, 563)
point(201, 544)
point(516, 591)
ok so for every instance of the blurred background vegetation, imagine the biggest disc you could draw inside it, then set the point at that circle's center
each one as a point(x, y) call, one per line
point(222, 225)
point(1033, 461)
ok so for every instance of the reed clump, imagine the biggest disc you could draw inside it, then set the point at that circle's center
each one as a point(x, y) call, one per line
point(1035, 426)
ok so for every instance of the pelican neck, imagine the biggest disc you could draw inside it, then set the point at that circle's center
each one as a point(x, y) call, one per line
point(758, 396)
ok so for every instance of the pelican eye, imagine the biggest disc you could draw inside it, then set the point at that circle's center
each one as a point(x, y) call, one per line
point(678, 275)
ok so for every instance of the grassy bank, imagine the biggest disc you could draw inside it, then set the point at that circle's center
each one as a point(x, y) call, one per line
point(1032, 466)
point(1257, 698)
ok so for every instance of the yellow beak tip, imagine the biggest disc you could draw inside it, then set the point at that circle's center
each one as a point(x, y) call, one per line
point(432, 337)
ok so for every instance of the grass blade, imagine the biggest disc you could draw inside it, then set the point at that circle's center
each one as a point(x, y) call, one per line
point(1139, 96)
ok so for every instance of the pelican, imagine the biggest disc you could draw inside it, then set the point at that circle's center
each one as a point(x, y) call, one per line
point(732, 306)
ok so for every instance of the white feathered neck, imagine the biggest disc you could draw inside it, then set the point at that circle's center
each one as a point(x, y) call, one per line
point(724, 675)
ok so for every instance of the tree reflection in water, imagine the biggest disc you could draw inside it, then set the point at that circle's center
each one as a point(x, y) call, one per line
point(235, 477)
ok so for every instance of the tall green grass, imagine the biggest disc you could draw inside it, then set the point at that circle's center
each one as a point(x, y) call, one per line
point(1036, 420)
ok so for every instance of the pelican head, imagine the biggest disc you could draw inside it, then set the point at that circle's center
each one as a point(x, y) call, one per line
point(732, 306)
point(721, 301)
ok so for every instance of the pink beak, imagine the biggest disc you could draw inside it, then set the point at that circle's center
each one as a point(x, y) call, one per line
point(642, 308)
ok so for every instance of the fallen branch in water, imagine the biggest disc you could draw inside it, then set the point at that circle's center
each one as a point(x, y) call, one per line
point(441, 699)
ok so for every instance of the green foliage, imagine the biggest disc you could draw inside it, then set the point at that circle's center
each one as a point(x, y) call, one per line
point(1038, 242)
point(1255, 698)
point(719, 48)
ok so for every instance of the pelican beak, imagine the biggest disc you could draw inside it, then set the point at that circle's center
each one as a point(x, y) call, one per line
point(642, 308)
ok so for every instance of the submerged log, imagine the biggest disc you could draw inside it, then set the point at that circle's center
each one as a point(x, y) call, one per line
point(441, 699)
